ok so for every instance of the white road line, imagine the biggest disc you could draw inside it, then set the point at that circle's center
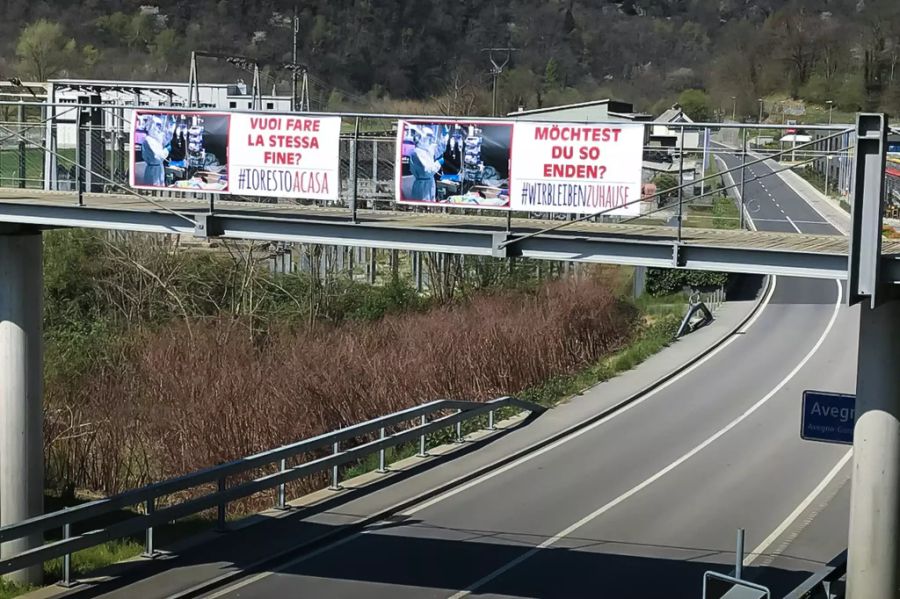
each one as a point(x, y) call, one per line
point(792, 517)
point(646, 483)
point(796, 228)
point(578, 433)
point(256, 578)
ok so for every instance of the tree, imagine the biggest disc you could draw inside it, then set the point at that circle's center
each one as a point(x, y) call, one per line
point(44, 51)
point(665, 187)
point(552, 76)
point(797, 34)
point(696, 104)
point(166, 49)
point(460, 95)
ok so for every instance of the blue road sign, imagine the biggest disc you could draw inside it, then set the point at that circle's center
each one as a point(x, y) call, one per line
point(828, 417)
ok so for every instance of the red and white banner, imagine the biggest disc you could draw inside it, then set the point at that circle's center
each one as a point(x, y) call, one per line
point(285, 156)
point(577, 168)
point(271, 155)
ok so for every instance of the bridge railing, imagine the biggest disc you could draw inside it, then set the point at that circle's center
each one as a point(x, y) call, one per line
point(190, 494)
point(42, 146)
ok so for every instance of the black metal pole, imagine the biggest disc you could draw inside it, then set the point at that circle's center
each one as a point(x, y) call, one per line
point(354, 175)
point(680, 182)
point(494, 94)
point(295, 26)
point(743, 173)
point(21, 118)
point(79, 176)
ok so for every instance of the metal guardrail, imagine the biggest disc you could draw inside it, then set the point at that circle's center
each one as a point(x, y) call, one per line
point(819, 584)
point(149, 495)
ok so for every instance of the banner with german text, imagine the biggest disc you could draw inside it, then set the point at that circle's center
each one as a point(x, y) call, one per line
point(577, 168)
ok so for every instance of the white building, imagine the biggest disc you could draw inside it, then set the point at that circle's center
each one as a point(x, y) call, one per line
point(221, 96)
point(667, 134)
point(596, 111)
point(106, 129)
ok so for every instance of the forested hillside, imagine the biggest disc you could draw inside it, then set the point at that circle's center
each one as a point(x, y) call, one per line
point(370, 52)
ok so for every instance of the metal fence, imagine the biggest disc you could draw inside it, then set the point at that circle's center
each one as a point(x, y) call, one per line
point(210, 489)
point(43, 145)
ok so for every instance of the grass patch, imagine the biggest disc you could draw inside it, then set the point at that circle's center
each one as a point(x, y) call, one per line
point(653, 337)
point(8, 590)
point(94, 558)
point(723, 214)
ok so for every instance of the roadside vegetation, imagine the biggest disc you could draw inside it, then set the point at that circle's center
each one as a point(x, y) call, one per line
point(161, 360)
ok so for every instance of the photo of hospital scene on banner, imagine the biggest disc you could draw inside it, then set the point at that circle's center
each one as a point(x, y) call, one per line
point(181, 151)
point(465, 164)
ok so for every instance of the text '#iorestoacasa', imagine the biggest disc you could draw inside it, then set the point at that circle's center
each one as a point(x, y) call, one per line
point(283, 181)
point(575, 195)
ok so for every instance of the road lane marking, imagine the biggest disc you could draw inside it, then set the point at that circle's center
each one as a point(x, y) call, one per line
point(792, 517)
point(796, 228)
point(451, 493)
point(578, 433)
point(646, 483)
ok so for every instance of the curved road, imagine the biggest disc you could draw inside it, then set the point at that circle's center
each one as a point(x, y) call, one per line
point(641, 503)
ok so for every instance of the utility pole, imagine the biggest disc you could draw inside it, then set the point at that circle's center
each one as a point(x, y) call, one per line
point(193, 84)
point(496, 71)
point(295, 26)
point(257, 89)
point(761, 104)
point(304, 92)
point(733, 108)
point(300, 104)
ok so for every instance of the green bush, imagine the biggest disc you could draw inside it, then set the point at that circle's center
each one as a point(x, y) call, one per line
point(371, 303)
point(665, 281)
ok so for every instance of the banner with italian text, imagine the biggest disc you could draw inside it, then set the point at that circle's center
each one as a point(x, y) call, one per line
point(290, 156)
point(264, 155)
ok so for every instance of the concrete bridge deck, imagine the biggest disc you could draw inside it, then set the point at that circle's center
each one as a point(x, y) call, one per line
point(819, 256)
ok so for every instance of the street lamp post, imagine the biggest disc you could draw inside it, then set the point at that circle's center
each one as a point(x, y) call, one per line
point(733, 108)
point(761, 104)
point(830, 104)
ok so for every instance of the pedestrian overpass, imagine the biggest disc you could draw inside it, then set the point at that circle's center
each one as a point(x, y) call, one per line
point(869, 264)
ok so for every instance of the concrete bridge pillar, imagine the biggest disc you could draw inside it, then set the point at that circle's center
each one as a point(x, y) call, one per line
point(21, 390)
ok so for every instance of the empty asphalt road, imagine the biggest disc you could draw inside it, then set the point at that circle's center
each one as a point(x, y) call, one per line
point(641, 503)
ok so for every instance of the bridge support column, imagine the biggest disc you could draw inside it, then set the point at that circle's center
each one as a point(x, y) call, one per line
point(873, 568)
point(21, 391)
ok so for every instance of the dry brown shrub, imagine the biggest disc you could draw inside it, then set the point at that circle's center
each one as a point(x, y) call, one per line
point(178, 403)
